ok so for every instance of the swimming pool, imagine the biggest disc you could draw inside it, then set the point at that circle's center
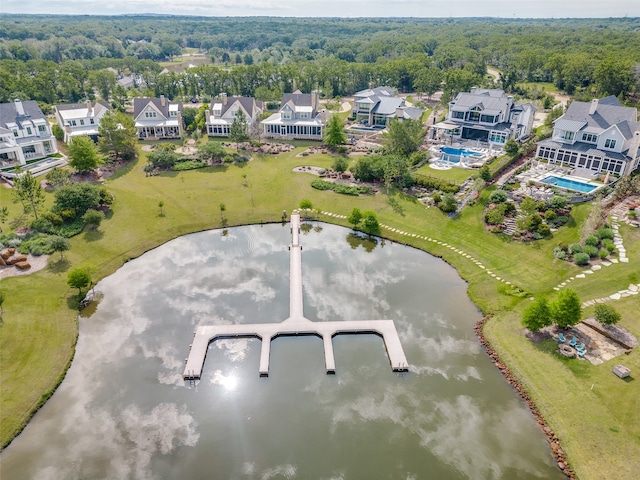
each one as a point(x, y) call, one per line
point(454, 155)
point(569, 184)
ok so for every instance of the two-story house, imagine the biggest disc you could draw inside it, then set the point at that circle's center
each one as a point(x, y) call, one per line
point(157, 118)
point(299, 117)
point(377, 106)
point(25, 133)
point(487, 116)
point(222, 113)
point(601, 136)
point(81, 119)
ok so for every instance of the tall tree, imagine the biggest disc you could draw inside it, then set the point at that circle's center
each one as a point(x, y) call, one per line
point(84, 154)
point(536, 315)
point(59, 244)
point(117, 136)
point(403, 137)
point(355, 217)
point(238, 130)
point(335, 135)
point(79, 278)
point(566, 309)
point(370, 222)
point(103, 81)
point(27, 190)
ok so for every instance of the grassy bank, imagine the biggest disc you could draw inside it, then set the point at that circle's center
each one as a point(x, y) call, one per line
point(37, 337)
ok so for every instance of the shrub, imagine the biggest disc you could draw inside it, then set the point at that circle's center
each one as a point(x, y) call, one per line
point(606, 314)
point(608, 244)
point(559, 253)
point(498, 197)
point(605, 233)
point(448, 203)
point(575, 248)
point(591, 251)
point(93, 218)
point(550, 215)
point(603, 253)
point(560, 220)
point(322, 185)
point(437, 197)
point(592, 240)
point(436, 184)
point(581, 259)
point(563, 246)
point(509, 207)
point(42, 225)
point(189, 165)
point(544, 230)
point(53, 218)
point(556, 202)
point(494, 216)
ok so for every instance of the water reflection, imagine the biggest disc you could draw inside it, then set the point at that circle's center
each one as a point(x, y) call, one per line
point(124, 411)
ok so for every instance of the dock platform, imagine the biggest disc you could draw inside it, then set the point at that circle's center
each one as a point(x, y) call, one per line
point(295, 324)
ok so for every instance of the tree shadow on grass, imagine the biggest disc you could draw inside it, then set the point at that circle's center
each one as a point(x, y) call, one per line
point(59, 266)
point(73, 302)
point(93, 235)
point(395, 205)
point(123, 170)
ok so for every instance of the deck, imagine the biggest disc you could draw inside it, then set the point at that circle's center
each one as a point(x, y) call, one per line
point(295, 324)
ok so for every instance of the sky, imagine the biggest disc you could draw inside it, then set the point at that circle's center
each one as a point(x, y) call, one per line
point(336, 8)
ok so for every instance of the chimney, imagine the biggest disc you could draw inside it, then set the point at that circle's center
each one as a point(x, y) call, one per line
point(163, 101)
point(593, 107)
point(635, 146)
point(89, 108)
point(400, 113)
point(207, 114)
point(315, 100)
point(19, 107)
point(223, 96)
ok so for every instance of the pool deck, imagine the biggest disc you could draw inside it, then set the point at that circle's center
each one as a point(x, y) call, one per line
point(295, 324)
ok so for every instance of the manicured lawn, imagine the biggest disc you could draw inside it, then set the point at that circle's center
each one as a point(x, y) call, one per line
point(455, 175)
point(598, 427)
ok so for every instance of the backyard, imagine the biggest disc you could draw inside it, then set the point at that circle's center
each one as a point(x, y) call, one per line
point(595, 414)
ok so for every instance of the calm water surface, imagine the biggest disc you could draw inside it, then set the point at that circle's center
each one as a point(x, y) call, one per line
point(124, 412)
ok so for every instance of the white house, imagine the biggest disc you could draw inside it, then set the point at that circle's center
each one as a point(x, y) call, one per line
point(377, 106)
point(81, 119)
point(487, 116)
point(601, 136)
point(157, 118)
point(222, 113)
point(298, 118)
point(25, 133)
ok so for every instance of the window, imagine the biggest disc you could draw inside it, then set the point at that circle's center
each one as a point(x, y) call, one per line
point(29, 132)
point(172, 113)
point(42, 128)
point(609, 143)
point(150, 114)
point(81, 121)
point(91, 121)
point(15, 133)
point(487, 119)
point(459, 115)
point(474, 116)
point(589, 137)
point(568, 135)
point(286, 115)
point(72, 123)
point(363, 106)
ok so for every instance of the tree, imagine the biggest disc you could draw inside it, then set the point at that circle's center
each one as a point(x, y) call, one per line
point(27, 190)
point(59, 244)
point(160, 206)
point(537, 315)
point(189, 115)
point(77, 197)
point(223, 207)
point(607, 314)
point(84, 154)
point(355, 217)
point(103, 81)
point(238, 130)
point(340, 164)
point(485, 173)
point(117, 136)
point(403, 136)
point(93, 218)
point(57, 132)
point(334, 134)
point(614, 76)
point(449, 203)
point(566, 309)
point(370, 222)
point(211, 151)
point(79, 278)
point(58, 177)
point(164, 158)
point(511, 147)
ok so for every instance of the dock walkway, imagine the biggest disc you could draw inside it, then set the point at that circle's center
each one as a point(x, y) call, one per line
point(295, 324)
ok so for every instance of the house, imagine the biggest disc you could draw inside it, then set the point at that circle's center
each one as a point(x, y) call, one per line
point(298, 118)
point(487, 116)
point(601, 136)
point(377, 106)
point(222, 113)
point(25, 133)
point(157, 118)
point(81, 119)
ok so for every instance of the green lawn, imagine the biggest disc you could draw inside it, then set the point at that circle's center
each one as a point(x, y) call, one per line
point(455, 175)
point(598, 427)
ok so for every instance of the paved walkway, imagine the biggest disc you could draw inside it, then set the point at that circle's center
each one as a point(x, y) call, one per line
point(295, 324)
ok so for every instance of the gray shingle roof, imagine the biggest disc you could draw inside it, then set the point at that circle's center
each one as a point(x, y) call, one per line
point(9, 114)
point(248, 103)
point(139, 104)
point(493, 99)
point(608, 112)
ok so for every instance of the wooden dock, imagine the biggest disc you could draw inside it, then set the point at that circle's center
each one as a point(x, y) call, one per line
point(295, 324)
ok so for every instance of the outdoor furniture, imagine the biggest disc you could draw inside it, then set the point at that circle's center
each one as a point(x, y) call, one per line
point(573, 341)
point(581, 347)
point(581, 353)
point(561, 338)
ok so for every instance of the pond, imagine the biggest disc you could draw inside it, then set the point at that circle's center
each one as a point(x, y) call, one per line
point(124, 411)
